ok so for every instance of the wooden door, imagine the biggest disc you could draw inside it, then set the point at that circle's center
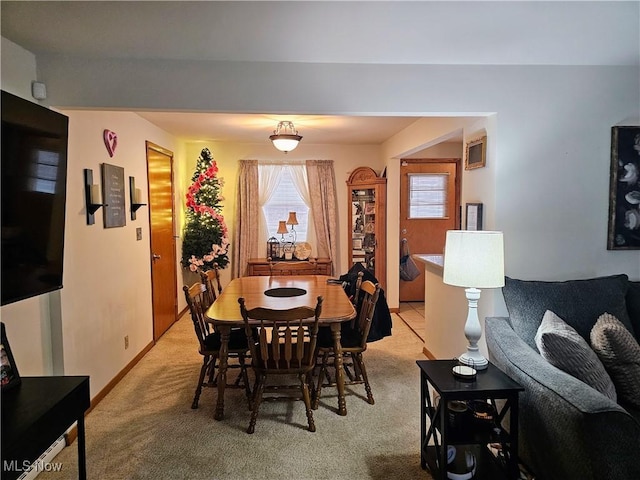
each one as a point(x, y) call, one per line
point(424, 231)
point(162, 238)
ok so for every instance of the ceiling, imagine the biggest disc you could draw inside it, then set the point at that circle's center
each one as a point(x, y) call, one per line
point(391, 32)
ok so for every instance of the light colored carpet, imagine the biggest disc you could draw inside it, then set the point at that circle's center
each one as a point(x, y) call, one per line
point(145, 429)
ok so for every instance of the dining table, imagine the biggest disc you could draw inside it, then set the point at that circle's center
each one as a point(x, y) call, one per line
point(280, 293)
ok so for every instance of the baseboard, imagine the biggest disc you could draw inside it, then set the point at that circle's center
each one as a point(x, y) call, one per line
point(428, 354)
point(394, 310)
point(72, 434)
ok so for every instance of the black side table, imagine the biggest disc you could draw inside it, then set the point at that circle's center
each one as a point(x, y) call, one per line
point(441, 425)
point(35, 413)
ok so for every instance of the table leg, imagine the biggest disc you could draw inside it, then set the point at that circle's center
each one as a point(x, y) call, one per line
point(82, 460)
point(225, 332)
point(337, 348)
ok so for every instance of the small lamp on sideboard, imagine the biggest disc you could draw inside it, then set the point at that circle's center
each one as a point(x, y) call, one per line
point(474, 260)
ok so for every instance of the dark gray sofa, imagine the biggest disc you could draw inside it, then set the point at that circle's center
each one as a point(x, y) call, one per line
point(568, 430)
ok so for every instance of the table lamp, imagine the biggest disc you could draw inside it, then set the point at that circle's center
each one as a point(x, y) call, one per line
point(474, 260)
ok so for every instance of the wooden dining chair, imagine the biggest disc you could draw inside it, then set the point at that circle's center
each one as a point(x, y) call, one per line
point(356, 294)
point(209, 344)
point(353, 342)
point(290, 353)
point(211, 280)
point(292, 267)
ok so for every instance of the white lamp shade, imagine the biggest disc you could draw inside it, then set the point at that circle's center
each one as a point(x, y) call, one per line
point(474, 259)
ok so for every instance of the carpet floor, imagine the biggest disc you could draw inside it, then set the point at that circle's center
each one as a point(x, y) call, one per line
point(145, 429)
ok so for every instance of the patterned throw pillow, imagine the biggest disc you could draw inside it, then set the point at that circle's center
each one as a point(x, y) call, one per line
point(561, 346)
point(620, 354)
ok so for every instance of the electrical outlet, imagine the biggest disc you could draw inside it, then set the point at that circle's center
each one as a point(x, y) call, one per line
point(139, 233)
point(126, 342)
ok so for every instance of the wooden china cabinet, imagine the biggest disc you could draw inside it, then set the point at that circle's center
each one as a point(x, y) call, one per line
point(367, 193)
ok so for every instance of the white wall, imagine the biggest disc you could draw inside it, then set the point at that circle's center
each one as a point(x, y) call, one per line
point(107, 276)
point(18, 69)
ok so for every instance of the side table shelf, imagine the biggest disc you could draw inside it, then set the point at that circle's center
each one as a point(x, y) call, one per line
point(442, 428)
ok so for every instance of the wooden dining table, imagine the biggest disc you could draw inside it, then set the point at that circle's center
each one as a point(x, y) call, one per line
point(224, 313)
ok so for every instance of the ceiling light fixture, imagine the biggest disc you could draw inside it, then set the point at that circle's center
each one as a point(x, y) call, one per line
point(285, 137)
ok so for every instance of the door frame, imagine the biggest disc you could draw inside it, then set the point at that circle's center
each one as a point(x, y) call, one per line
point(152, 146)
point(457, 188)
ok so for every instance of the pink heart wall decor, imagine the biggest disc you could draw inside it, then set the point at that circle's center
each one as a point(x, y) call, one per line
point(110, 141)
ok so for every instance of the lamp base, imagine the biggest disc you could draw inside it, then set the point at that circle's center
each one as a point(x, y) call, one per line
point(474, 359)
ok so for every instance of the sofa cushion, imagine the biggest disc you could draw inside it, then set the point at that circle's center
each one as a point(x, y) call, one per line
point(578, 302)
point(564, 348)
point(633, 307)
point(620, 354)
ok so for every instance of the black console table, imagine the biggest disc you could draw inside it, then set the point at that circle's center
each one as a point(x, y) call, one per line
point(35, 414)
point(440, 425)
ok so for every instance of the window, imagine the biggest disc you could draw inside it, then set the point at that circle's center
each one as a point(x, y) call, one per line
point(428, 195)
point(286, 199)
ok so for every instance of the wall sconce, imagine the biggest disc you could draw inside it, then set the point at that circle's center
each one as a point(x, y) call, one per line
point(91, 196)
point(136, 197)
point(285, 137)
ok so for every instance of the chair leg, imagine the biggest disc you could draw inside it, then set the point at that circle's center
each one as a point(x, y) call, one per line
point(245, 379)
point(323, 371)
point(358, 359)
point(203, 371)
point(212, 372)
point(307, 401)
point(257, 399)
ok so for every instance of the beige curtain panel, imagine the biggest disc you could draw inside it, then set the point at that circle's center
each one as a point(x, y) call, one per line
point(322, 191)
point(247, 217)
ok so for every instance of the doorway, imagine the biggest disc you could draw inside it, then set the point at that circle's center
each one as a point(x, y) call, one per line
point(162, 238)
point(429, 206)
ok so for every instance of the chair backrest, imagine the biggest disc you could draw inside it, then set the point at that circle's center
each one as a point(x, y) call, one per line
point(286, 339)
point(303, 267)
point(198, 302)
point(211, 280)
point(356, 294)
point(366, 309)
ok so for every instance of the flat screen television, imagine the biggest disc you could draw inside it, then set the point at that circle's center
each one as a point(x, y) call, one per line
point(34, 187)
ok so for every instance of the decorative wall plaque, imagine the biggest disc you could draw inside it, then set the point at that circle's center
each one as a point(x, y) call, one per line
point(113, 196)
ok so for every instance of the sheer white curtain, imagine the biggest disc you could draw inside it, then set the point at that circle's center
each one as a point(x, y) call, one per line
point(268, 180)
point(300, 181)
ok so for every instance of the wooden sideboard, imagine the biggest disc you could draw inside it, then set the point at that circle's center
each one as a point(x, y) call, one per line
point(260, 266)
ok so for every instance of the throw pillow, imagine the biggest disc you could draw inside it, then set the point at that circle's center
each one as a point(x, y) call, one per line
point(578, 302)
point(561, 346)
point(620, 354)
point(633, 307)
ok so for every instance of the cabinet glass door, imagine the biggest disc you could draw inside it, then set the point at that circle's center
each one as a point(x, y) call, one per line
point(363, 223)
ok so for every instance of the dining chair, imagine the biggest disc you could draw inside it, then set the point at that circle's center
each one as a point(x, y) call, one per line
point(211, 280)
point(353, 342)
point(356, 294)
point(290, 353)
point(209, 344)
point(292, 267)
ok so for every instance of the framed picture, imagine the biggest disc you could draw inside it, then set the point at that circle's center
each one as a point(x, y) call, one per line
point(9, 376)
point(473, 217)
point(113, 194)
point(476, 154)
point(624, 189)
